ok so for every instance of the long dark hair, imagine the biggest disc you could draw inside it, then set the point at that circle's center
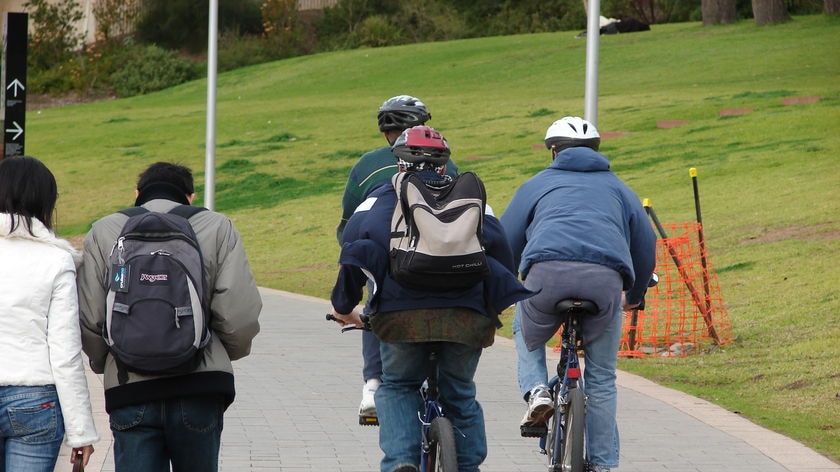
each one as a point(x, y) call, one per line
point(27, 190)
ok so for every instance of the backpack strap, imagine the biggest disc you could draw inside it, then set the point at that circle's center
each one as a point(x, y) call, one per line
point(133, 211)
point(397, 224)
point(186, 211)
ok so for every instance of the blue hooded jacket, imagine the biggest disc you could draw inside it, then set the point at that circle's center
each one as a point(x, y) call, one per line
point(364, 256)
point(578, 210)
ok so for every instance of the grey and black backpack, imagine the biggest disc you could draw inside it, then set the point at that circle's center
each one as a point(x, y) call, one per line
point(436, 233)
point(158, 300)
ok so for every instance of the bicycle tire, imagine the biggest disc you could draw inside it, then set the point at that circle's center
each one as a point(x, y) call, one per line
point(572, 448)
point(442, 456)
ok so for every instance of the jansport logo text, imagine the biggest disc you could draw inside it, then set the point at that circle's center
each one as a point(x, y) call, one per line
point(152, 278)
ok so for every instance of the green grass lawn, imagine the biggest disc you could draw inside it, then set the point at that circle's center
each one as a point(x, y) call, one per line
point(287, 133)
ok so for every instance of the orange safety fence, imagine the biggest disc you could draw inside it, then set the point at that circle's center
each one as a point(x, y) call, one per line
point(684, 313)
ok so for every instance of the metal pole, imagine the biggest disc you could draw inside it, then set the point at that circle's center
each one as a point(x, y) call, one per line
point(593, 37)
point(210, 139)
point(701, 239)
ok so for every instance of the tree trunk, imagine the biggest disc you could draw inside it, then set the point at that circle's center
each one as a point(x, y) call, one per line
point(769, 12)
point(832, 7)
point(718, 11)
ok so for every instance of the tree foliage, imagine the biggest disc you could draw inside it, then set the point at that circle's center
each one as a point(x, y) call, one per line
point(182, 24)
point(55, 34)
point(281, 26)
point(254, 31)
point(115, 18)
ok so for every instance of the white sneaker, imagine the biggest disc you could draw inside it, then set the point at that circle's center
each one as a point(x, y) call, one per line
point(540, 407)
point(367, 409)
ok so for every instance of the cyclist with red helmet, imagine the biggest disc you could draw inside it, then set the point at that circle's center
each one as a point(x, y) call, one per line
point(455, 323)
point(372, 170)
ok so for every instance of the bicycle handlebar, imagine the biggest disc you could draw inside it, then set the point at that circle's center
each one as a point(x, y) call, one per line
point(365, 323)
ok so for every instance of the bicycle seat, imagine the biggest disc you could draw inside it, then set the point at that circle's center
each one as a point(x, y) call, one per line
point(569, 306)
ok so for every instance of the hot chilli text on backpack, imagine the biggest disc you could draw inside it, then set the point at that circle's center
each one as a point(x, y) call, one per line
point(436, 233)
point(157, 302)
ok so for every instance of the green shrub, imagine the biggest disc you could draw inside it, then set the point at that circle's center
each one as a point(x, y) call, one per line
point(429, 20)
point(56, 81)
point(237, 51)
point(376, 31)
point(141, 69)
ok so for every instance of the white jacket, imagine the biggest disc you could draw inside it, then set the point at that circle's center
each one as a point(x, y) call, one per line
point(40, 340)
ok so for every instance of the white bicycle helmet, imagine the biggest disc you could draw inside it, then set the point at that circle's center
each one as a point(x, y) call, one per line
point(572, 131)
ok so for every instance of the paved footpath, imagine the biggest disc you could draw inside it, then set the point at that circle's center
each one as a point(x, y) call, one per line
point(298, 391)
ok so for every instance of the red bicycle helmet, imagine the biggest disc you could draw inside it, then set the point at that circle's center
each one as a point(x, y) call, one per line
point(421, 144)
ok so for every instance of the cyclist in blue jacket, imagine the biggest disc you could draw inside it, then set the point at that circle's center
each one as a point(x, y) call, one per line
point(373, 169)
point(456, 323)
point(576, 230)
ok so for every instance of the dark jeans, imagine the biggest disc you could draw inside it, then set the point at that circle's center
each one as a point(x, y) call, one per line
point(185, 432)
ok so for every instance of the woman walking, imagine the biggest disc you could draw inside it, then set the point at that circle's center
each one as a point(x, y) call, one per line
point(43, 390)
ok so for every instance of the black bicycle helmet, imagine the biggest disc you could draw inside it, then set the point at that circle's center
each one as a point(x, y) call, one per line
point(572, 131)
point(421, 144)
point(402, 112)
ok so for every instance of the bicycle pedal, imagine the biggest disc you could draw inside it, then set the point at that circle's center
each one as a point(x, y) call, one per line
point(533, 431)
point(368, 420)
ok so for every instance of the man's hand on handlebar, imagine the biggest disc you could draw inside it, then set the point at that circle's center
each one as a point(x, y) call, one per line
point(352, 318)
point(627, 306)
point(654, 279)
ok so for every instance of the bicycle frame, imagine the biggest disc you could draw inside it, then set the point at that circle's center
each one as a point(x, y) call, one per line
point(431, 410)
point(437, 445)
point(569, 375)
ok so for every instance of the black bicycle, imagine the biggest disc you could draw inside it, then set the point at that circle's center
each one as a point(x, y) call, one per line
point(437, 448)
point(563, 438)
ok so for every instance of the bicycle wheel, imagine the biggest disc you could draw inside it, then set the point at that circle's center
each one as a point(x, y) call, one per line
point(442, 456)
point(571, 449)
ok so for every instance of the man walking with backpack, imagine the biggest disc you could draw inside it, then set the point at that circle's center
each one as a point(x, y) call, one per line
point(167, 371)
point(412, 318)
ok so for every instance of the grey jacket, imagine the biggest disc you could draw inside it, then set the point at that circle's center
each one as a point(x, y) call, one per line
point(234, 310)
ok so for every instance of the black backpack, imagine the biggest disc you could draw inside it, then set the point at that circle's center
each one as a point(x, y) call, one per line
point(436, 233)
point(157, 306)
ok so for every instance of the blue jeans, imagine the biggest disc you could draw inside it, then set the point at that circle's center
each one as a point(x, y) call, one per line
point(602, 444)
point(31, 428)
point(184, 431)
point(398, 402)
point(372, 367)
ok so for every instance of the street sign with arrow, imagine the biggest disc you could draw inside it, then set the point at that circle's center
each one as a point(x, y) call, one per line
point(15, 86)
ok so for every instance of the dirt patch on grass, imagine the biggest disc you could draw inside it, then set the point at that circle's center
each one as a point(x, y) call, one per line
point(664, 124)
point(798, 100)
point(735, 111)
point(818, 232)
point(797, 385)
point(41, 101)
